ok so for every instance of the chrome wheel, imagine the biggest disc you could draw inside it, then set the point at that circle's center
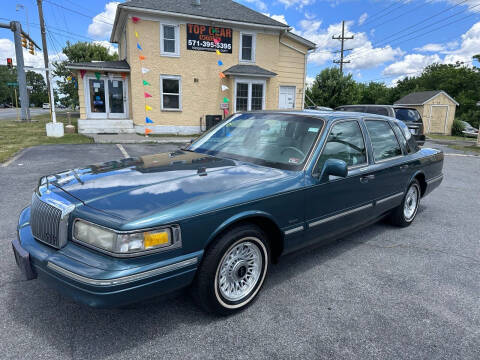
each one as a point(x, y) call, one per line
point(411, 203)
point(240, 270)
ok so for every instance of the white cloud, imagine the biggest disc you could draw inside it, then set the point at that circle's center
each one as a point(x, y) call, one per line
point(362, 18)
point(101, 26)
point(112, 49)
point(279, 18)
point(312, 30)
point(299, 4)
point(411, 63)
point(309, 80)
point(260, 5)
point(431, 48)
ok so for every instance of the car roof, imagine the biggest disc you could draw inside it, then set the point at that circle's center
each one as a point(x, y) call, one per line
point(326, 115)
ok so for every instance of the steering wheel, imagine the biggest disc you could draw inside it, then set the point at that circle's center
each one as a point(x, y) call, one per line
point(294, 149)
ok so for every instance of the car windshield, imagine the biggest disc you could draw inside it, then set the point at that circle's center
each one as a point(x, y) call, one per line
point(281, 141)
point(407, 114)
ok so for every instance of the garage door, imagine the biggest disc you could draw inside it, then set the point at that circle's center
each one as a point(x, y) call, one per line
point(438, 119)
point(287, 97)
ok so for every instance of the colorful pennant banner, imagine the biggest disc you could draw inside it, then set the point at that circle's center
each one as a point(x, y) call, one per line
point(136, 34)
point(147, 95)
point(220, 63)
point(226, 100)
point(139, 47)
point(148, 108)
point(82, 73)
point(148, 120)
point(141, 57)
point(218, 52)
point(145, 70)
point(147, 131)
point(146, 83)
point(225, 88)
point(222, 75)
point(97, 75)
point(135, 19)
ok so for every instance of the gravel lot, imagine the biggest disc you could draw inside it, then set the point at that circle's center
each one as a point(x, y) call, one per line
point(383, 292)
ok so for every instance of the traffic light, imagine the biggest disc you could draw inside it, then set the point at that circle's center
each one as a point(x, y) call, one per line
point(24, 41)
point(9, 63)
point(31, 50)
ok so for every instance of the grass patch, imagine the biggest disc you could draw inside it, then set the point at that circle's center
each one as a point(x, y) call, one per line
point(15, 136)
point(449, 137)
point(466, 148)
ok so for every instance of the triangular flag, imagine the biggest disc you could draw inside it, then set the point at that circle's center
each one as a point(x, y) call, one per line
point(145, 83)
point(141, 57)
point(218, 52)
point(214, 31)
point(225, 112)
point(69, 78)
point(147, 95)
point(136, 34)
point(148, 120)
point(216, 40)
point(135, 19)
point(97, 75)
point(220, 63)
point(225, 88)
point(124, 76)
point(145, 70)
point(147, 131)
point(139, 47)
point(82, 73)
point(147, 108)
point(225, 100)
point(222, 75)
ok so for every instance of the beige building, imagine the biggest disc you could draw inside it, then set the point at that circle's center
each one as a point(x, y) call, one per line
point(437, 109)
point(181, 61)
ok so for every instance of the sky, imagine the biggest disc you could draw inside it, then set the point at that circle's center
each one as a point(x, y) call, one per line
point(392, 38)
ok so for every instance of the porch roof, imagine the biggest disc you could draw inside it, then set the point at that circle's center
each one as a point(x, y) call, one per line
point(118, 66)
point(249, 70)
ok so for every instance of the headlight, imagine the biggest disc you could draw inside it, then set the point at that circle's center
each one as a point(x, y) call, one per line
point(126, 243)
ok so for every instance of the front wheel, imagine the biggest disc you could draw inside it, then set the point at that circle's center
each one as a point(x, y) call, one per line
point(232, 271)
point(404, 214)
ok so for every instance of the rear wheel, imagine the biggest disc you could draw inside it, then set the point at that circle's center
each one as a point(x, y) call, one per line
point(232, 271)
point(405, 213)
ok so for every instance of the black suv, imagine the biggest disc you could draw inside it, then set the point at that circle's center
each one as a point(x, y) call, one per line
point(410, 116)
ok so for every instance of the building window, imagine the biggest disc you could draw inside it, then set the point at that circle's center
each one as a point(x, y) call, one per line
point(169, 38)
point(171, 90)
point(249, 95)
point(247, 47)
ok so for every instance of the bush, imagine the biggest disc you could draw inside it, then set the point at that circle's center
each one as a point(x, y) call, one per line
point(457, 128)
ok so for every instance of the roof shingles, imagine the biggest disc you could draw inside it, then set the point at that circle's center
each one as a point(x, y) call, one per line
point(252, 70)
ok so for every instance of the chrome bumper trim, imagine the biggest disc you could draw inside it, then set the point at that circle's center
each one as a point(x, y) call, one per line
point(294, 230)
point(330, 218)
point(388, 198)
point(123, 279)
point(434, 180)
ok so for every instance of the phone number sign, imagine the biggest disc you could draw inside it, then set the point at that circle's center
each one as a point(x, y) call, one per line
point(209, 38)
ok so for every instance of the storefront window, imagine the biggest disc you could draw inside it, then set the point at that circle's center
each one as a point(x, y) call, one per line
point(171, 92)
point(249, 95)
point(242, 97)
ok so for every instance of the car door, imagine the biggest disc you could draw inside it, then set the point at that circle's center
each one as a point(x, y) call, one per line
point(337, 204)
point(390, 166)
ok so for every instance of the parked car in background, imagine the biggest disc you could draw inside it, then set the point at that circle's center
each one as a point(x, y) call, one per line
point(469, 130)
point(215, 214)
point(46, 106)
point(320, 108)
point(410, 116)
point(5, 106)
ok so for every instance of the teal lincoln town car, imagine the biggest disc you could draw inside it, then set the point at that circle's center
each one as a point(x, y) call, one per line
point(214, 215)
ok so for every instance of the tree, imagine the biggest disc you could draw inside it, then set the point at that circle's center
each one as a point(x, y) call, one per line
point(6, 93)
point(78, 52)
point(332, 88)
point(39, 93)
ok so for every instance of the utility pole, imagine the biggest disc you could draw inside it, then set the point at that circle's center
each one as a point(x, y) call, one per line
point(342, 50)
point(45, 50)
point(21, 77)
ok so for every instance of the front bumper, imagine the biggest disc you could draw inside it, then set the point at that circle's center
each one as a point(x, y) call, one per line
point(111, 283)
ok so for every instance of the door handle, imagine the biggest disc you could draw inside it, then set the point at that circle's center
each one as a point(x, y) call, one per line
point(366, 178)
point(404, 167)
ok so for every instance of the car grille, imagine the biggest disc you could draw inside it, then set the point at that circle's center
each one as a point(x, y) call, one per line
point(45, 221)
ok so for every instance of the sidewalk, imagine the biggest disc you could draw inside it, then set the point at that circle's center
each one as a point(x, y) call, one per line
point(137, 139)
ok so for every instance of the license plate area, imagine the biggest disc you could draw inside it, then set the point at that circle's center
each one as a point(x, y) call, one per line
point(22, 258)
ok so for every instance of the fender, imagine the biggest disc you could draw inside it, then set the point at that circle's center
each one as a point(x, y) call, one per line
point(243, 216)
point(418, 172)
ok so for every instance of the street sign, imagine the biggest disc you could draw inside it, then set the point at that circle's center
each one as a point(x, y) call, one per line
point(12, 83)
point(224, 106)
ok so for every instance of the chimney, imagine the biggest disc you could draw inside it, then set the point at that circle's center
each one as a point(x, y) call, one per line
point(196, 2)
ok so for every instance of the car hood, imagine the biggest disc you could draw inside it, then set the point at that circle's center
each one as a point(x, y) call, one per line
point(135, 188)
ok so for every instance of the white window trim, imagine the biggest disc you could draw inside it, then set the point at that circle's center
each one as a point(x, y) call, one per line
point(249, 82)
point(294, 94)
point(254, 45)
point(171, 77)
point(177, 40)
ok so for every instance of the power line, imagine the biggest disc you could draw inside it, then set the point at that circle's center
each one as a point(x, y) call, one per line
point(375, 15)
point(77, 12)
point(404, 3)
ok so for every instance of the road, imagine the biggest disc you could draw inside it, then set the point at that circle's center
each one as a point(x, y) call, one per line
point(381, 293)
point(11, 114)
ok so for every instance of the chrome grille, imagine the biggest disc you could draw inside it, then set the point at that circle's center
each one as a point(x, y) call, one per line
point(45, 222)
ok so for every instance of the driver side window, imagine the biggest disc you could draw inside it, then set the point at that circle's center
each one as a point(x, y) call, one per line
point(345, 142)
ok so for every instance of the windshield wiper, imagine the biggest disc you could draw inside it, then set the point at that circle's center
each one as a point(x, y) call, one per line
point(76, 176)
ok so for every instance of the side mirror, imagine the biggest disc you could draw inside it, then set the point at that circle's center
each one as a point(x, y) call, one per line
point(334, 167)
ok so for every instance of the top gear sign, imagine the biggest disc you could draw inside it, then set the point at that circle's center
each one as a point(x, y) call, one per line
point(209, 38)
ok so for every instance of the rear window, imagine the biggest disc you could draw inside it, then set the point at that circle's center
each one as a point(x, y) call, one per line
point(408, 115)
point(378, 110)
point(351, 108)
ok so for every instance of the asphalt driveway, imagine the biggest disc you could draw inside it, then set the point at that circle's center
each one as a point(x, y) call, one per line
point(382, 293)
